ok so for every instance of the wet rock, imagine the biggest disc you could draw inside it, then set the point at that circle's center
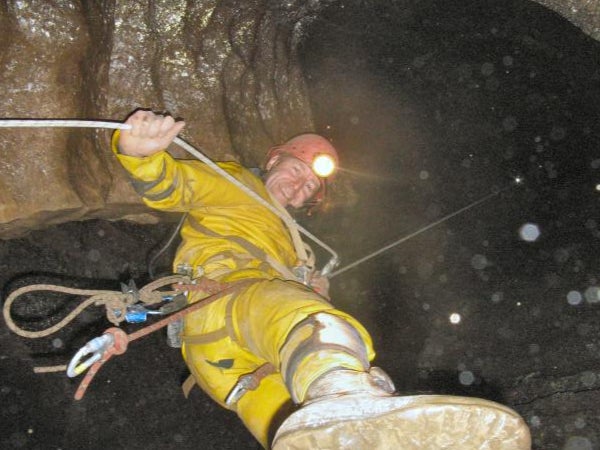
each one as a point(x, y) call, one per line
point(583, 13)
point(228, 68)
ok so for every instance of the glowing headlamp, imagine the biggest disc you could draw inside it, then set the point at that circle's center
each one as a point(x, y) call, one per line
point(323, 166)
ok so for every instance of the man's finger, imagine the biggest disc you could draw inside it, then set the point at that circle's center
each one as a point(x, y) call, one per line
point(165, 125)
point(175, 129)
point(139, 122)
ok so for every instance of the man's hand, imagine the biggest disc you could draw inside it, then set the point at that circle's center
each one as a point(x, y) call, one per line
point(149, 133)
point(320, 284)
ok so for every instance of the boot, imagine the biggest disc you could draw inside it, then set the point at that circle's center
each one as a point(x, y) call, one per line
point(356, 410)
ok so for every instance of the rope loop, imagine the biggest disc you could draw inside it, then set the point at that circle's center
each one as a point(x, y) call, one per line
point(115, 302)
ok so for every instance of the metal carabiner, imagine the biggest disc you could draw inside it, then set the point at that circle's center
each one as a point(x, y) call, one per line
point(331, 264)
point(245, 383)
point(113, 342)
point(138, 313)
point(97, 346)
point(248, 382)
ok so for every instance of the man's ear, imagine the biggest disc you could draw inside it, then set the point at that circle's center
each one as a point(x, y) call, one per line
point(271, 162)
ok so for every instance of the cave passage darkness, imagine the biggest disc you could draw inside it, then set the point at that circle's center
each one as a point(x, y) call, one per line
point(432, 108)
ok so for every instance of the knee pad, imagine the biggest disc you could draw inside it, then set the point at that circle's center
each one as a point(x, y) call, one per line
point(321, 333)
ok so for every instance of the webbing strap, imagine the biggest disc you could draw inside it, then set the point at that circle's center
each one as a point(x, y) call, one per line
point(299, 244)
point(220, 333)
point(252, 249)
point(205, 338)
point(212, 336)
point(188, 385)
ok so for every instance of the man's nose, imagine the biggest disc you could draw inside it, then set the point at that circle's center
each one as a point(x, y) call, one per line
point(298, 183)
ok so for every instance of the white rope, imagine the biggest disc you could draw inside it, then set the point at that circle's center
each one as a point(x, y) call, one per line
point(71, 123)
point(64, 123)
point(416, 233)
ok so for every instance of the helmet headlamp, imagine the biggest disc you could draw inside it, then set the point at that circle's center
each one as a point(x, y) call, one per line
point(323, 165)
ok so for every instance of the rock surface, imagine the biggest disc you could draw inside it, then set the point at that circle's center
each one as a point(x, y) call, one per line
point(228, 68)
point(583, 13)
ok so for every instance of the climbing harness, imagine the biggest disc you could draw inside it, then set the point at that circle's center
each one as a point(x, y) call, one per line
point(114, 341)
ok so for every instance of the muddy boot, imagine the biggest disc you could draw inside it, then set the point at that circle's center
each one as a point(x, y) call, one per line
point(357, 410)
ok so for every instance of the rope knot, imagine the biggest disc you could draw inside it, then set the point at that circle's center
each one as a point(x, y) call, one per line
point(116, 306)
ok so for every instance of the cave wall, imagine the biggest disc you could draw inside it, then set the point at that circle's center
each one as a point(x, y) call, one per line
point(229, 67)
point(585, 14)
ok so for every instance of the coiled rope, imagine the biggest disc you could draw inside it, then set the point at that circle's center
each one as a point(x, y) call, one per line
point(115, 302)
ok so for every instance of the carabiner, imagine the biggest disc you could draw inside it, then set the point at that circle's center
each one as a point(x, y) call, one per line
point(331, 264)
point(97, 346)
point(244, 384)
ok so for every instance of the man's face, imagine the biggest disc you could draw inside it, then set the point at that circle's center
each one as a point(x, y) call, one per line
point(290, 181)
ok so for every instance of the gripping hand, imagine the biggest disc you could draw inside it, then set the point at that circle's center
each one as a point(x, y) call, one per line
point(150, 133)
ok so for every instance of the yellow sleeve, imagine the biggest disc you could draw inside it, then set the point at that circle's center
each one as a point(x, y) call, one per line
point(180, 185)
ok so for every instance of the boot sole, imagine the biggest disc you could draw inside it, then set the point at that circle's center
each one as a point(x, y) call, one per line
point(425, 422)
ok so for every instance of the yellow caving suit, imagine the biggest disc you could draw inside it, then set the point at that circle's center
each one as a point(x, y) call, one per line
point(242, 331)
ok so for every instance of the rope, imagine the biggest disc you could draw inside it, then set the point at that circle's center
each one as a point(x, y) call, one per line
point(416, 233)
point(115, 303)
point(166, 246)
point(148, 294)
point(50, 369)
point(97, 298)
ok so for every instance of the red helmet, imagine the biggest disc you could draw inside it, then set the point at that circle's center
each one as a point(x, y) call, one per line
point(316, 152)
